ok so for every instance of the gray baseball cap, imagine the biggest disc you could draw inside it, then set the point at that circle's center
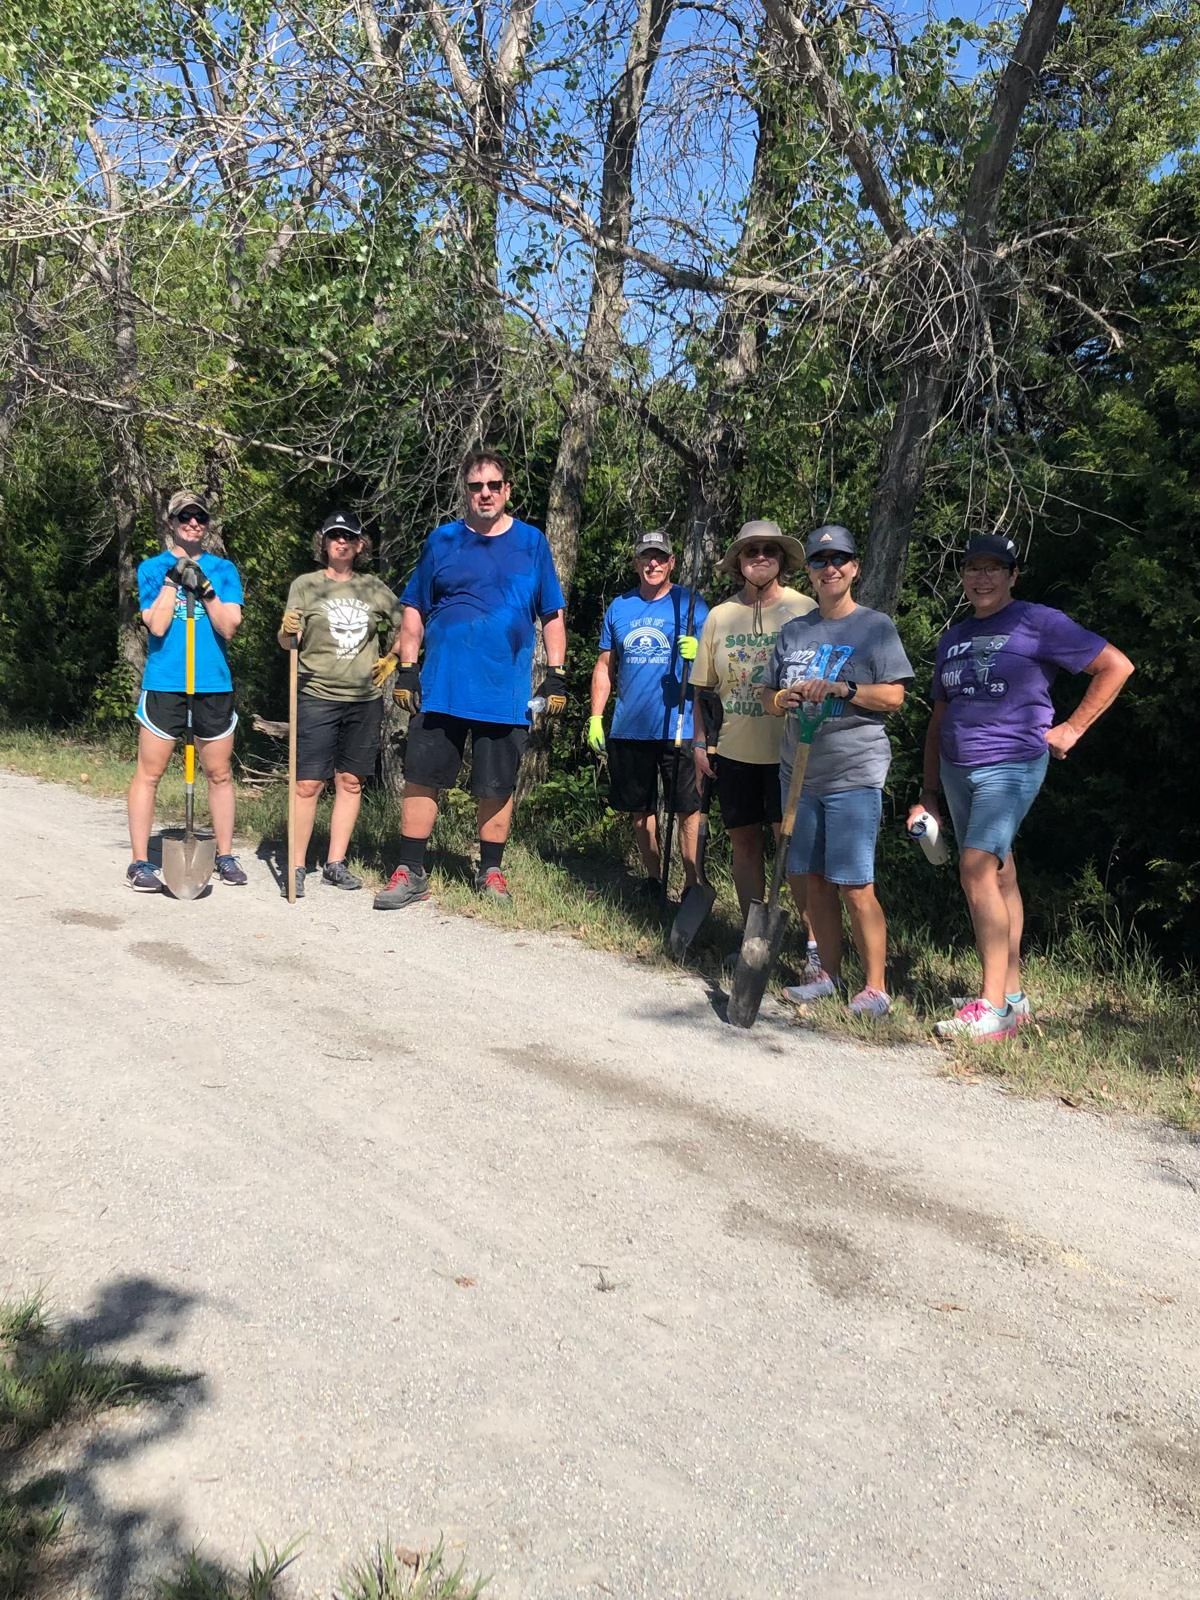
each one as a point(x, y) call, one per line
point(656, 539)
point(830, 536)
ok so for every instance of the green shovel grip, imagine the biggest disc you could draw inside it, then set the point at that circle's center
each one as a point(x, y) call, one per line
point(810, 723)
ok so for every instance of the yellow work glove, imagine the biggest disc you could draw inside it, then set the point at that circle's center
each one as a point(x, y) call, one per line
point(688, 645)
point(595, 735)
point(293, 622)
point(383, 669)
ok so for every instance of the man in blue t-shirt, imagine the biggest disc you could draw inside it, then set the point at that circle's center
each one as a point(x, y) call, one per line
point(480, 587)
point(643, 641)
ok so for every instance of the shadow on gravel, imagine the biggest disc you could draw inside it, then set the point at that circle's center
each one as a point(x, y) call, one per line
point(73, 1405)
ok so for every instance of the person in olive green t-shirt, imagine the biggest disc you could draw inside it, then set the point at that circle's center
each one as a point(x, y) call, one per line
point(337, 612)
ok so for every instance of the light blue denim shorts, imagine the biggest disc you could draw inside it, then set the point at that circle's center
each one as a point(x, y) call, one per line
point(988, 804)
point(835, 835)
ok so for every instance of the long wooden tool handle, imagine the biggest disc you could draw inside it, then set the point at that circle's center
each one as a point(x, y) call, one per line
point(293, 698)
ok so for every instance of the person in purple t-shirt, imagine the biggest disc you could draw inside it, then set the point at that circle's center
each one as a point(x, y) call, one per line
point(987, 747)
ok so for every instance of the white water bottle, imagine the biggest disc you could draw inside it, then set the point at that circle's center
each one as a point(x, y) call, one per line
point(925, 831)
point(537, 705)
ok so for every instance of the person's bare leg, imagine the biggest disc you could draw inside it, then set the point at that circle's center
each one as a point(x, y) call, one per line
point(495, 814)
point(153, 755)
point(308, 793)
point(868, 927)
point(216, 757)
point(979, 874)
point(1011, 890)
point(645, 833)
point(825, 915)
point(418, 810)
point(347, 801)
point(749, 873)
point(689, 840)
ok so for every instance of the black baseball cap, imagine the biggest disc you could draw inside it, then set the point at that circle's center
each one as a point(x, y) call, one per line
point(995, 545)
point(342, 522)
point(829, 536)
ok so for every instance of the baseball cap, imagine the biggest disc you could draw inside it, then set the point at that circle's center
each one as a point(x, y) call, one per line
point(830, 536)
point(656, 539)
point(992, 544)
point(342, 522)
point(182, 499)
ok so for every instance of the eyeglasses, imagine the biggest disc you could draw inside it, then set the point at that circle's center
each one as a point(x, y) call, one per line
point(492, 485)
point(192, 514)
point(768, 550)
point(832, 558)
point(346, 538)
point(987, 569)
point(653, 558)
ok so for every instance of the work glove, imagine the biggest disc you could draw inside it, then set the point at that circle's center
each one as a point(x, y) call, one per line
point(406, 691)
point(383, 669)
point(688, 645)
point(553, 689)
point(292, 622)
point(595, 735)
point(186, 575)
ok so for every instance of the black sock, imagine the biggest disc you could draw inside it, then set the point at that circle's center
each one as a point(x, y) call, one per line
point(490, 855)
point(412, 852)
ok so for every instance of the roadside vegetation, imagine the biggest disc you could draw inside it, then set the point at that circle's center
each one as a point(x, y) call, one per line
point(49, 1385)
point(1115, 1029)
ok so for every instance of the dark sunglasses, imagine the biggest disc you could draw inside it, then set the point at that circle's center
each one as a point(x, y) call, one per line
point(192, 514)
point(658, 557)
point(494, 484)
point(347, 538)
point(769, 550)
point(832, 558)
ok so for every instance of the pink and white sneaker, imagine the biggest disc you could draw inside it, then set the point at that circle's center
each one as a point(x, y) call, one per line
point(978, 1019)
point(870, 1003)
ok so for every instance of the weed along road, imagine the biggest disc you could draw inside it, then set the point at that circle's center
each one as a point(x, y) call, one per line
point(479, 1234)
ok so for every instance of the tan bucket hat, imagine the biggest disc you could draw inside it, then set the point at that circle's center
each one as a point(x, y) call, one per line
point(757, 532)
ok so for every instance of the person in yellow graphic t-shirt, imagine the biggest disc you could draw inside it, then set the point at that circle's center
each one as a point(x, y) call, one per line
point(736, 744)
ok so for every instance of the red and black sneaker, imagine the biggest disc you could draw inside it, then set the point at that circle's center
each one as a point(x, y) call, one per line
point(493, 885)
point(405, 887)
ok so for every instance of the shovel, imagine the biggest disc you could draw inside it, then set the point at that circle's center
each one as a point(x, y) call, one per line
point(187, 863)
point(699, 900)
point(293, 698)
point(765, 924)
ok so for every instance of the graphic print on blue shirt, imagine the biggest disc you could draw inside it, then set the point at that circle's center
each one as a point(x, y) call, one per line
point(968, 668)
point(480, 596)
point(166, 657)
point(643, 636)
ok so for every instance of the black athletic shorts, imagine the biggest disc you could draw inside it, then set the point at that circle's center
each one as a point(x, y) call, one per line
point(634, 769)
point(337, 736)
point(748, 793)
point(437, 742)
point(164, 712)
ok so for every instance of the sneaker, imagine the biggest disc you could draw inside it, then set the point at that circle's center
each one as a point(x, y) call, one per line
point(405, 886)
point(335, 872)
point(301, 874)
point(1021, 1008)
point(818, 988)
point(142, 877)
point(870, 1003)
point(227, 869)
point(812, 965)
point(979, 1020)
point(493, 885)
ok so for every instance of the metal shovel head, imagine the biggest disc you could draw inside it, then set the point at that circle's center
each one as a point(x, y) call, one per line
point(187, 863)
point(697, 902)
point(761, 943)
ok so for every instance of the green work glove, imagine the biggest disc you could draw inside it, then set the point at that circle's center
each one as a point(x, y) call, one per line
point(595, 735)
point(688, 645)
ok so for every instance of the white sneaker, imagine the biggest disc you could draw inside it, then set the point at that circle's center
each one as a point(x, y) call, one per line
point(979, 1020)
point(870, 1003)
point(1021, 1008)
point(818, 988)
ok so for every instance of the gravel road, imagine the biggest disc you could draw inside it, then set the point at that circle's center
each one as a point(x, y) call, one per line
point(477, 1233)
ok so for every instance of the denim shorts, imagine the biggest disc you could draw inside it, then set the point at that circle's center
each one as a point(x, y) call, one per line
point(835, 835)
point(988, 804)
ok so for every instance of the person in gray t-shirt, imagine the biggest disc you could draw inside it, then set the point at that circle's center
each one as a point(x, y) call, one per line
point(851, 656)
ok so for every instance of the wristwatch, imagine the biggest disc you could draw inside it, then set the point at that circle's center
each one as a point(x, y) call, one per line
point(851, 688)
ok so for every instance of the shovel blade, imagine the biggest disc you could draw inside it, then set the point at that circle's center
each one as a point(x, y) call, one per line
point(187, 864)
point(761, 942)
point(697, 902)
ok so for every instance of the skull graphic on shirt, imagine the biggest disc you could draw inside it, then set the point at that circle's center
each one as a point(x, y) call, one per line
point(348, 622)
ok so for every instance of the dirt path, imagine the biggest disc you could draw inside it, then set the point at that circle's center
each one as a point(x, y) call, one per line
point(483, 1234)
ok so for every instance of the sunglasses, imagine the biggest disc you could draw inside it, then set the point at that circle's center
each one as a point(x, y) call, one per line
point(493, 485)
point(768, 550)
point(191, 514)
point(833, 558)
point(346, 538)
point(653, 558)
